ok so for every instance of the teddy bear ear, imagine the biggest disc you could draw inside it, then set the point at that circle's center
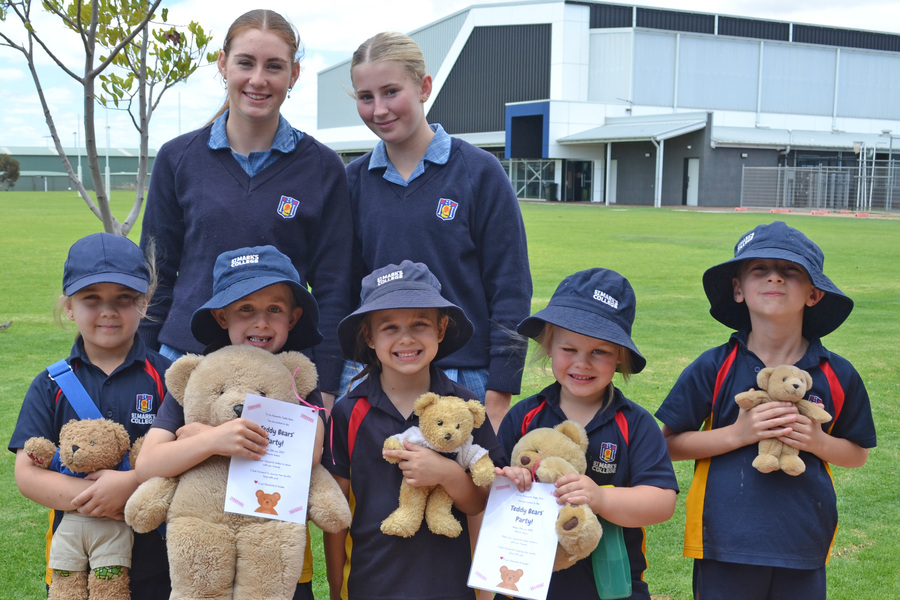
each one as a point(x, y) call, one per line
point(574, 432)
point(178, 374)
point(302, 370)
point(762, 379)
point(477, 410)
point(424, 401)
point(807, 378)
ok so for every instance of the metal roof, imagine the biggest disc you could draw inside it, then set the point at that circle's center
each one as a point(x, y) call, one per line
point(762, 137)
point(639, 129)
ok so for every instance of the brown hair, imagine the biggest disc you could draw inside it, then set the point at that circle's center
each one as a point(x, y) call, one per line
point(264, 20)
point(390, 45)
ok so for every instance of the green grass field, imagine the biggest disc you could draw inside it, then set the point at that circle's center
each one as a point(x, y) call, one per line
point(663, 252)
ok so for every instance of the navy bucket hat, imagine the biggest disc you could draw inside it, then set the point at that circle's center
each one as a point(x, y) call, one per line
point(598, 303)
point(105, 258)
point(239, 273)
point(776, 241)
point(407, 285)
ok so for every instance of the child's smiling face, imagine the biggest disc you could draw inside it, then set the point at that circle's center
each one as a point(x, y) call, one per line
point(262, 319)
point(107, 316)
point(583, 366)
point(774, 289)
point(406, 340)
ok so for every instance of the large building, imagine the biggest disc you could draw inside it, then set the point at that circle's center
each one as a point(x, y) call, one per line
point(627, 104)
point(42, 170)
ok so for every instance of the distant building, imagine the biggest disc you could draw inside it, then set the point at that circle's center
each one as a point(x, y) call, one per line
point(42, 169)
point(627, 104)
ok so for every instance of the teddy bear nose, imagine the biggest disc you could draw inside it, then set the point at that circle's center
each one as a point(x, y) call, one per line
point(525, 461)
point(75, 449)
point(448, 436)
point(238, 409)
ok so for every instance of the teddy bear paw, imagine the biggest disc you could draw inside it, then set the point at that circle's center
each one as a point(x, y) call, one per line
point(792, 465)
point(400, 525)
point(578, 531)
point(765, 463)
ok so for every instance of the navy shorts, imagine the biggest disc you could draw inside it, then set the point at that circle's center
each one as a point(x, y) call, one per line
point(714, 580)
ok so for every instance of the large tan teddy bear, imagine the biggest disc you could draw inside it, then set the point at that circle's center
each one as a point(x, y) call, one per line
point(784, 383)
point(550, 453)
point(87, 446)
point(445, 425)
point(214, 554)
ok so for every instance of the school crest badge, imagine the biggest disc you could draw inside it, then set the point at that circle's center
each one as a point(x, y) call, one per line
point(287, 208)
point(608, 452)
point(144, 403)
point(446, 209)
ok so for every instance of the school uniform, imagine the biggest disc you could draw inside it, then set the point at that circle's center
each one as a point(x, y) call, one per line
point(382, 567)
point(735, 514)
point(201, 202)
point(625, 449)
point(460, 217)
point(131, 395)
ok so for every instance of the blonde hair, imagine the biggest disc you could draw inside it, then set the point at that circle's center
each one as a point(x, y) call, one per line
point(264, 20)
point(391, 46)
point(541, 354)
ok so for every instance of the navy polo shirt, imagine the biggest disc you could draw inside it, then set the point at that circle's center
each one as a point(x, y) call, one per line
point(131, 395)
point(425, 566)
point(730, 515)
point(625, 449)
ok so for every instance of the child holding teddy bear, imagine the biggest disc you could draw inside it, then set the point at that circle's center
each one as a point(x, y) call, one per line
point(753, 535)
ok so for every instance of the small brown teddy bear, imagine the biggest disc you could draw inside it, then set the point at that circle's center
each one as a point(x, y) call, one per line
point(550, 453)
point(510, 577)
point(445, 425)
point(784, 383)
point(267, 502)
point(212, 553)
point(87, 446)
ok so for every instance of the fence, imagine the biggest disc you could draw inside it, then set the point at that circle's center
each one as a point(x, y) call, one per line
point(59, 182)
point(873, 185)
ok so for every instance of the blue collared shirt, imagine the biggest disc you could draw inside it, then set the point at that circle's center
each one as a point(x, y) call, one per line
point(285, 141)
point(438, 152)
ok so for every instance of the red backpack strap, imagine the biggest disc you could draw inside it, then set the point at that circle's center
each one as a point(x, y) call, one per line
point(530, 415)
point(722, 374)
point(360, 410)
point(837, 391)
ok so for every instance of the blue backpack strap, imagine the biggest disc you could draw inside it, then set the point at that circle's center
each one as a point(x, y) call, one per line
point(64, 376)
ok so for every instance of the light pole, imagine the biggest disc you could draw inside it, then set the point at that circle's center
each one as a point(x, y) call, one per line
point(890, 179)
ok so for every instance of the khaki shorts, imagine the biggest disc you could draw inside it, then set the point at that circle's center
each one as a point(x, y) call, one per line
point(80, 541)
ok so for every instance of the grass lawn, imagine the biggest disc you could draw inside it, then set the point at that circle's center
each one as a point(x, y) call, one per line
point(663, 252)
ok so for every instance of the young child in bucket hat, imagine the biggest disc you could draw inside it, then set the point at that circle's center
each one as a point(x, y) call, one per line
point(107, 284)
point(257, 300)
point(402, 325)
point(775, 294)
point(585, 332)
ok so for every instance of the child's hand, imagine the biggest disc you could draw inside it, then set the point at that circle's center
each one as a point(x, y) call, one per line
point(765, 421)
point(805, 435)
point(420, 466)
point(577, 489)
point(238, 437)
point(518, 475)
point(107, 496)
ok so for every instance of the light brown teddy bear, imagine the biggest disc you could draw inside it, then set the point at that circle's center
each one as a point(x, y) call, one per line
point(87, 446)
point(212, 553)
point(784, 383)
point(550, 453)
point(445, 425)
point(510, 577)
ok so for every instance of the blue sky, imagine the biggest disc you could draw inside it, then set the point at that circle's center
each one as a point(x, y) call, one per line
point(330, 32)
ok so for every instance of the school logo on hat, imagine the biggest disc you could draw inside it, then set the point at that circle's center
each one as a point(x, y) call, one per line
point(144, 403)
point(287, 208)
point(446, 209)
